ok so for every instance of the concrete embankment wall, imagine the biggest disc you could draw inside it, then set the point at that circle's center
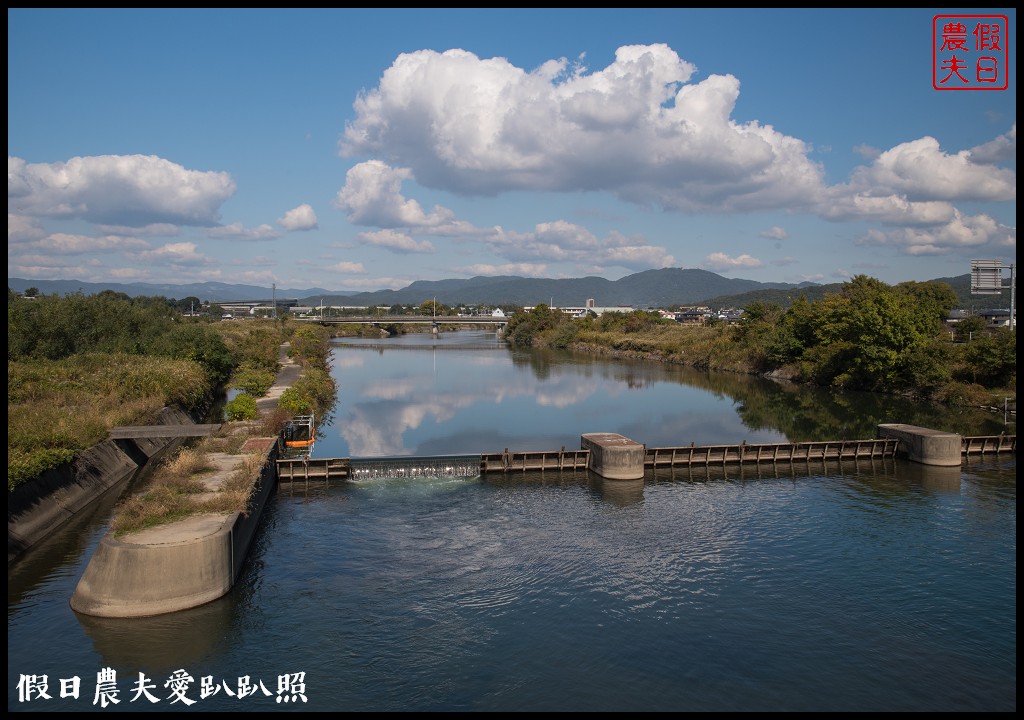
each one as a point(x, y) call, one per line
point(244, 527)
point(40, 507)
point(186, 563)
point(177, 566)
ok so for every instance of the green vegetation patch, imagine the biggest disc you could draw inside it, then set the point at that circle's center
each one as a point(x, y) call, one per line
point(57, 408)
point(866, 336)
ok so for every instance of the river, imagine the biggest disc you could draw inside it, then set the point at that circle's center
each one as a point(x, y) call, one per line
point(878, 586)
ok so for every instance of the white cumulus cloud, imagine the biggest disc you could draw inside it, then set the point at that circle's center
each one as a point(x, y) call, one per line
point(64, 244)
point(519, 269)
point(237, 231)
point(639, 257)
point(637, 128)
point(920, 170)
point(347, 268)
point(21, 228)
point(153, 229)
point(130, 190)
point(774, 233)
point(299, 218)
point(175, 254)
point(890, 209)
point(372, 195)
point(1001, 149)
point(963, 234)
point(395, 241)
point(721, 262)
point(561, 241)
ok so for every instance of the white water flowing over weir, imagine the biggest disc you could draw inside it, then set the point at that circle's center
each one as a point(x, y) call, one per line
point(415, 467)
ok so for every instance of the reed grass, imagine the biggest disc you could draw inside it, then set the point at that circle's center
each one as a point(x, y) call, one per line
point(177, 489)
point(57, 408)
point(697, 346)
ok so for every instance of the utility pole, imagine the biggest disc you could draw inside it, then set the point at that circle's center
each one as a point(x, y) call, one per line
point(1013, 297)
point(273, 287)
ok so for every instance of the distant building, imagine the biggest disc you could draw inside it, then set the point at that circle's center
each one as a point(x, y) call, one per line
point(246, 307)
point(697, 315)
point(731, 315)
point(577, 311)
point(996, 318)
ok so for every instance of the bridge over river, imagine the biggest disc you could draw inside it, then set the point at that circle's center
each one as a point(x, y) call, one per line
point(464, 320)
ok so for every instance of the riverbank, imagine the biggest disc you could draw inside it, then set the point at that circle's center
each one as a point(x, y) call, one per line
point(1000, 400)
point(183, 564)
point(68, 408)
point(40, 507)
point(870, 337)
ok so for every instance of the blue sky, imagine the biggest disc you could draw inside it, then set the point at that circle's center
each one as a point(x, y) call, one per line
point(367, 149)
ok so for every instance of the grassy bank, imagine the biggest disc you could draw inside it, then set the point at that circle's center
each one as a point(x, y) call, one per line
point(79, 366)
point(56, 409)
point(181, 486)
point(714, 349)
point(189, 483)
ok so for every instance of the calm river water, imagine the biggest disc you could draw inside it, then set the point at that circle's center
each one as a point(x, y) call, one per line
point(842, 586)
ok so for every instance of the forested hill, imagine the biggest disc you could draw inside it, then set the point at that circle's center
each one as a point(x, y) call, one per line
point(651, 288)
point(785, 297)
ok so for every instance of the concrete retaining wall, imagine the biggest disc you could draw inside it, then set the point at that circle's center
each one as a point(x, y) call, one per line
point(128, 579)
point(40, 507)
point(245, 525)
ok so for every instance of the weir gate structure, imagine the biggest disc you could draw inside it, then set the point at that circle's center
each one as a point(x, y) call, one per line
point(617, 458)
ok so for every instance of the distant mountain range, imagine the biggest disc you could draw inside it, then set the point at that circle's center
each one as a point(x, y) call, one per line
point(214, 292)
point(654, 288)
point(651, 288)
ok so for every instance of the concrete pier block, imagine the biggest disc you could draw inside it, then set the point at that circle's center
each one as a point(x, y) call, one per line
point(928, 447)
point(613, 456)
point(158, 570)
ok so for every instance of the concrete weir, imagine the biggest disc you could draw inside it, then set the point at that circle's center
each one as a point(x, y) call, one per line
point(921, 445)
point(613, 456)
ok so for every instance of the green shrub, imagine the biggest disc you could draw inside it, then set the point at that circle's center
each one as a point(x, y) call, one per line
point(201, 344)
point(242, 407)
point(253, 380)
point(318, 388)
point(295, 402)
point(310, 345)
